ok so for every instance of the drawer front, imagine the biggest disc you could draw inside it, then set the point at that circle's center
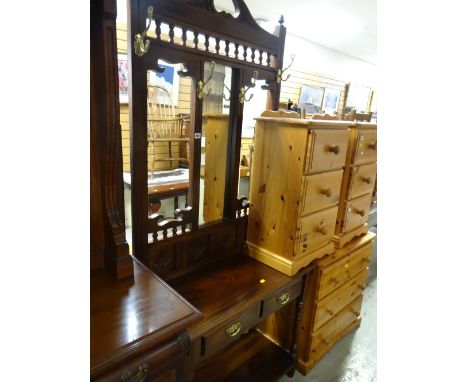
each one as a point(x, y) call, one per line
point(366, 147)
point(337, 274)
point(281, 298)
point(151, 366)
point(229, 331)
point(362, 180)
point(320, 191)
point(328, 151)
point(315, 230)
point(329, 333)
point(357, 212)
point(336, 301)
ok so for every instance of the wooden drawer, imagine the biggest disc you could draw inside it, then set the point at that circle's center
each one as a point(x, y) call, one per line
point(320, 191)
point(327, 150)
point(315, 230)
point(366, 147)
point(229, 331)
point(338, 273)
point(331, 332)
point(159, 365)
point(281, 297)
point(356, 212)
point(336, 301)
point(362, 180)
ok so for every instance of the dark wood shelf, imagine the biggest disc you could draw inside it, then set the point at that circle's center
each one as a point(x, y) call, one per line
point(252, 358)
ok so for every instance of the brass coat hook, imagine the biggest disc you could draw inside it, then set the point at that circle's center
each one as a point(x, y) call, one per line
point(279, 75)
point(244, 89)
point(141, 46)
point(201, 84)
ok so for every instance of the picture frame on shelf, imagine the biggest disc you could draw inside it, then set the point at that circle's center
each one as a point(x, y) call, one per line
point(358, 98)
point(311, 99)
point(331, 100)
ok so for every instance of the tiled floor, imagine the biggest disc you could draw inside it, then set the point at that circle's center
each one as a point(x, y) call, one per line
point(354, 358)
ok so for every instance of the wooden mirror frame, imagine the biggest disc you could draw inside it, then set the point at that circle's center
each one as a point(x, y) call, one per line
point(185, 251)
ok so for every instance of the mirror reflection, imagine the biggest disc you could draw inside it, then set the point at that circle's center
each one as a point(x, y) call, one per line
point(214, 141)
point(169, 127)
point(252, 109)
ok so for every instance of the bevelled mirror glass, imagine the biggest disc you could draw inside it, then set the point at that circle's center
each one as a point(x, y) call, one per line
point(169, 129)
point(214, 141)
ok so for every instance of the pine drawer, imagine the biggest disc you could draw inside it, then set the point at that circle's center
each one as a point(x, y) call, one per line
point(366, 147)
point(329, 306)
point(362, 180)
point(356, 212)
point(320, 191)
point(327, 150)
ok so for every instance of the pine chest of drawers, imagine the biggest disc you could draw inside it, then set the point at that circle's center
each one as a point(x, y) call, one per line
point(295, 189)
point(333, 300)
point(359, 178)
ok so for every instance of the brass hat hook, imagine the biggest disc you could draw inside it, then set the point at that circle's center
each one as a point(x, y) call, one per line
point(201, 84)
point(279, 75)
point(244, 89)
point(141, 46)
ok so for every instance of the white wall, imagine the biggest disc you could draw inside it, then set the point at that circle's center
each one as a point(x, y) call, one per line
point(317, 58)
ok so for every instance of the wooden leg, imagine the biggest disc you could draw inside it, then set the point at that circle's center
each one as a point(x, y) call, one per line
point(295, 329)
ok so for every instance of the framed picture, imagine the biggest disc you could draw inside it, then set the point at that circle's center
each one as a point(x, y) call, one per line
point(331, 99)
point(169, 79)
point(311, 99)
point(358, 97)
point(122, 64)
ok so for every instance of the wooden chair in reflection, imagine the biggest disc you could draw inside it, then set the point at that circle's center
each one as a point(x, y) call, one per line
point(168, 149)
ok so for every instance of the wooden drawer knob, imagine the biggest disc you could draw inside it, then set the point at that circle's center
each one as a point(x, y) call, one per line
point(327, 192)
point(334, 149)
point(360, 212)
point(372, 146)
point(355, 312)
point(321, 230)
point(138, 376)
point(366, 260)
point(334, 280)
point(283, 299)
point(234, 329)
point(330, 312)
point(361, 286)
point(366, 179)
point(325, 341)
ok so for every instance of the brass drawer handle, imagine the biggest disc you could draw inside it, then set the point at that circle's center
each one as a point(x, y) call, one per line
point(234, 329)
point(139, 376)
point(360, 212)
point(330, 312)
point(283, 299)
point(372, 146)
point(334, 149)
point(366, 179)
point(326, 192)
point(321, 230)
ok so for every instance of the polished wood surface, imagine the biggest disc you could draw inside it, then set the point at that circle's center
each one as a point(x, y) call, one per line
point(223, 289)
point(130, 316)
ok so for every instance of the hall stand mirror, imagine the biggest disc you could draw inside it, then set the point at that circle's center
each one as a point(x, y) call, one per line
point(195, 237)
